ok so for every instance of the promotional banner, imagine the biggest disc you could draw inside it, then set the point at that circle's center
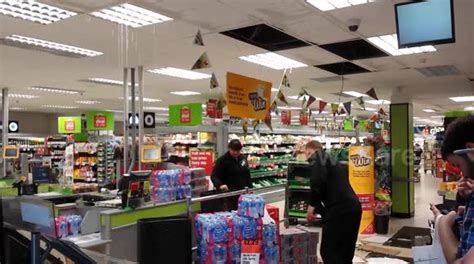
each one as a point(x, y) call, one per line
point(212, 110)
point(304, 118)
point(202, 158)
point(185, 114)
point(69, 124)
point(285, 118)
point(248, 97)
point(361, 176)
point(100, 120)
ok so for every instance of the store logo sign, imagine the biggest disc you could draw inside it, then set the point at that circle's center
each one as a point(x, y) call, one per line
point(100, 121)
point(69, 125)
point(360, 161)
point(185, 115)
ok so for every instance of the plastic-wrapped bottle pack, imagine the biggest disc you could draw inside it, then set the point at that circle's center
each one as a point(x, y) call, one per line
point(170, 185)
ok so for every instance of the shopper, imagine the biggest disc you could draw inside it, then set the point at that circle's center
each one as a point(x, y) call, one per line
point(333, 197)
point(231, 172)
point(459, 135)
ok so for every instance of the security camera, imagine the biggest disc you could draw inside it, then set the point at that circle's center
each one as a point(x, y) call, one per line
point(353, 24)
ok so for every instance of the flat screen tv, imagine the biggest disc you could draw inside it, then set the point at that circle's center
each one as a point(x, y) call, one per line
point(427, 22)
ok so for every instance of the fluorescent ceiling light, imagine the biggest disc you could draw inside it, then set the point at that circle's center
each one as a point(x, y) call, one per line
point(130, 15)
point(185, 93)
point(145, 99)
point(54, 90)
point(354, 94)
point(469, 108)
point(326, 5)
point(378, 102)
point(60, 106)
point(107, 81)
point(33, 11)
point(163, 114)
point(437, 116)
point(273, 60)
point(323, 112)
point(389, 43)
point(88, 102)
point(460, 99)
point(429, 110)
point(181, 73)
point(115, 111)
point(22, 96)
point(289, 108)
point(274, 114)
point(17, 108)
point(156, 108)
point(48, 46)
point(274, 89)
point(295, 97)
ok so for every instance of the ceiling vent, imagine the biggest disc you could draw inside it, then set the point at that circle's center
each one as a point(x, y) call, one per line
point(328, 79)
point(439, 71)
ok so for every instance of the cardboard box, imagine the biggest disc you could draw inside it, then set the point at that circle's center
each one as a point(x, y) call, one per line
point(312, 238)
point(292, 237)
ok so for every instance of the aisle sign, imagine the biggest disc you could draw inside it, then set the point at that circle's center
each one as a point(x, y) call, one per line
point(69, 124)
point(202, 158)
point(247, 97)
point(185, 114)
point(250, 251)
point(361, 176)
point(100, 120)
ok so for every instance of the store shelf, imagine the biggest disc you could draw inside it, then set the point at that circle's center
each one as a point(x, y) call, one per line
point(299, 214)
point(273, 174)
point(269, 143)
point(305, 188)
point(288, 151)
point(271, 161)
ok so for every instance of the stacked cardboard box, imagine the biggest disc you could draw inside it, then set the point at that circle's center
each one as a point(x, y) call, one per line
point(312, 242)
point(294, 246)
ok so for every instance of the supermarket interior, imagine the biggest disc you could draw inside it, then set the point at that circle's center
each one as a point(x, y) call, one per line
point(236, 131)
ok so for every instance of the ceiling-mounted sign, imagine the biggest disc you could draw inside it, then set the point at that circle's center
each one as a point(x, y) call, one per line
point(148, 120)
point(248, 97)
point(13, 126)
point(304, 118)
point(185, 114)
point(100, 120)
point(69, 124)
point(212, 110)
point(285, 117)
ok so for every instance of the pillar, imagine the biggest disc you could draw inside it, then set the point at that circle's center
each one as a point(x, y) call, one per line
point(401, 138)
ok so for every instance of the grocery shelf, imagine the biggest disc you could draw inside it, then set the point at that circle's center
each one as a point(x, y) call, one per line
point(298, 214)
point(269, 143)
point(293, 187)
point(271, 161)
point(273, 174)
point(287, 151)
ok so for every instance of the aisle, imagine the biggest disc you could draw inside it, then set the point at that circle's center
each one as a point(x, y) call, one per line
point(425, 193)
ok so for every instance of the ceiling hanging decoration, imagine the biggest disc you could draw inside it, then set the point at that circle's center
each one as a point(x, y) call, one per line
point(348, 107)
point(322, 105)
point(360, 101)
point(198, 39)
point(372, 93)
point(214, 82)
point(285, 82)
point(202, 63)
point(311, 100)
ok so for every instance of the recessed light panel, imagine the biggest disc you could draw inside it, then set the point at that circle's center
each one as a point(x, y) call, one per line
point(131, 15)
point(273, 60)
point(33, 11)
point(54, 90)
point(326, 5)
point(60, 106)
point(378, 102)
point(88, 102)
point(389, 44)
point(185, 93)
point(47, 46)
point(355, 94)
point(460, 99)
point(180, 73)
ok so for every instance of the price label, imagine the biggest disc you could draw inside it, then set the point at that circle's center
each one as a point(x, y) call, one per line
point(250, 252)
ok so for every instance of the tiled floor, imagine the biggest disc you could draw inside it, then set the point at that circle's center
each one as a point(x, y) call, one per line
point(425, 193)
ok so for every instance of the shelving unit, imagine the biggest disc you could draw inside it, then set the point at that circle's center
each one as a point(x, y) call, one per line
point(105, 161)
point(85, 162)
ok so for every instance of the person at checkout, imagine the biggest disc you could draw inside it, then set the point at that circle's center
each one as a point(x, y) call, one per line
point(231, 173)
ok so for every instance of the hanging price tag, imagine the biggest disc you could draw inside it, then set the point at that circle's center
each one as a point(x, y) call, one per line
point(250, 251)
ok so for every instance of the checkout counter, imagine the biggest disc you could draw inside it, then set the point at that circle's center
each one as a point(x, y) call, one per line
point(108, 231)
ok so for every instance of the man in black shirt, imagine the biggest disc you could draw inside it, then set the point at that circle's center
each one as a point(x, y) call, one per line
point(333, 197)
point(231, 172)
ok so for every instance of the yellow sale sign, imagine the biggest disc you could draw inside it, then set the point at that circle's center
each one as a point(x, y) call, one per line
point(362, 177)
point(248, 97)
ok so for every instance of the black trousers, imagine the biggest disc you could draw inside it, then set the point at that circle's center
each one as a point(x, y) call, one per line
point(340, 237)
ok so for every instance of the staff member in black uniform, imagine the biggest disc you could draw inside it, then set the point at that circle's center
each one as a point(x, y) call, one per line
point(333, 197)
point(231, 172)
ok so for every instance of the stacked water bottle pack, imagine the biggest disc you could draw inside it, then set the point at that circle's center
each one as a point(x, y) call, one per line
point(170, 185)
point(220, 235)
point(68, 225)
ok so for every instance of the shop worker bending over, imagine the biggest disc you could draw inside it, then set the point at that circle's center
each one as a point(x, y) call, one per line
point(231, 172)
point(334, 199)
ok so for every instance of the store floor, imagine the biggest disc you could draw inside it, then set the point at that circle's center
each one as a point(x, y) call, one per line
point(425, 193)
